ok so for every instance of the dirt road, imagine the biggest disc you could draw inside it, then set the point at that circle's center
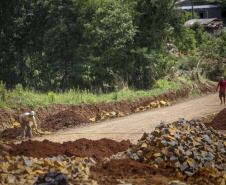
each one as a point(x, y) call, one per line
point(133, 126)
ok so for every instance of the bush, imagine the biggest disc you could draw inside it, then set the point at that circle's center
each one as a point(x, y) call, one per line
point(3, 92)
point(19, 89)
point(52, 97)
point(188, 42)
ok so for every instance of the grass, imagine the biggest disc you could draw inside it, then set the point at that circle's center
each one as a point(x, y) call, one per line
point(193, 95)
point(75, 96)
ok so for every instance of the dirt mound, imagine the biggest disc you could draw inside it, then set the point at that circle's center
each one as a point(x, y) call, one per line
point(80, 148)
point(66, 118)
point(10, 134)
point(129, 170)
point(219, 122)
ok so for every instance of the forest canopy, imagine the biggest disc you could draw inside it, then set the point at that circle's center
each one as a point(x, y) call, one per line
point(52, 45)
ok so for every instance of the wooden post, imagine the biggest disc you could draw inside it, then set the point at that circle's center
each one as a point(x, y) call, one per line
point(192, 9)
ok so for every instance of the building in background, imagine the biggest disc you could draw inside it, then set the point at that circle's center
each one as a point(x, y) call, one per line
point(212, 26)
point(204, 9)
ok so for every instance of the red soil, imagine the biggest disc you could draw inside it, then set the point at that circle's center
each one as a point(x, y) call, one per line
point(219, 122)
point(79, 148)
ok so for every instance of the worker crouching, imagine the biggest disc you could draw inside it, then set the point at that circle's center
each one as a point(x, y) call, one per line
point(27, 120)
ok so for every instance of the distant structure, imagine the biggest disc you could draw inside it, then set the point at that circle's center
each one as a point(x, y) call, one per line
point(212, 26)
point(204, 9)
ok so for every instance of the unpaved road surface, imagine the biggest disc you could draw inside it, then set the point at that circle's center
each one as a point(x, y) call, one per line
point(133, 126)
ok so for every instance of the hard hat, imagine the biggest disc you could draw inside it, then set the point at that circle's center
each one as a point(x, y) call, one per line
point(32, 113)
point(222, 77)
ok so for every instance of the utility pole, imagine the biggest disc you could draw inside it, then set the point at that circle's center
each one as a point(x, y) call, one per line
point(192, 7)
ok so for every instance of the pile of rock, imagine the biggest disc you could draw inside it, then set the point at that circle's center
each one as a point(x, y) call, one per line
point(186, 145)
point(153, 104)
point(106, 115)
point(24, 170)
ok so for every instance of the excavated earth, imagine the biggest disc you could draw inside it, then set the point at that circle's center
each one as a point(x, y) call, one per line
point(106, 171)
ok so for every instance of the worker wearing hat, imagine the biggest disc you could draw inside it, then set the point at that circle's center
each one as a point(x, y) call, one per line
point(26, 120)
point(222, 85)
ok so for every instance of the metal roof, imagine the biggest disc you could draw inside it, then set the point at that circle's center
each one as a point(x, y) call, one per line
point(213, 22)
point(199, 7)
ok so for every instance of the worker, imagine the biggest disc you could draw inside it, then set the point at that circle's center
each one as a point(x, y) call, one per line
point(26, 120)
point(222, 85)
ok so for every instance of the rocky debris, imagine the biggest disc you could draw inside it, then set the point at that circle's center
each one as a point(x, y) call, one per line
point(26, 170)
point(207, 176)
point(119, 155)
point(153, 104)
point(106, 115)
point(176, 182)
point(185, 145)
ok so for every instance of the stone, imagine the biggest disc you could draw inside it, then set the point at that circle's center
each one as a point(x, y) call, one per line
point(156, 155)
point(150, 148)
point(169, 138)
point(166, 130)
point(182, 158)
point(196, 167)
point(7, 158)
point(37, 168)
point(26, 170)
point(47, 162)
point(144, 136)
point(28, 162)
point(158, 160)
point(209, 164)
point(156, 133)
point(164, 151)
point(190, 162)
point(188, 153)
point(169, 154)
point(129, 151)
point(4, 153)
point(135, 157)
point(162, 164)
point(4, 167)
point(10, 179)
point(176, 152)
point(219, 168)
point(172, 143)
point(144, 145)
point(57, 164)
point(176, 182)
point(177, 164)
point(173, 159)
point(208, 132)
point(184, 166)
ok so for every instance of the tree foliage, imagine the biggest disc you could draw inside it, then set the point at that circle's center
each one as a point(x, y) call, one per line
point(54, 45)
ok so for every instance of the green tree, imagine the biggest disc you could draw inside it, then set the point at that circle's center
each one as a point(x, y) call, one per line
point(110, 34)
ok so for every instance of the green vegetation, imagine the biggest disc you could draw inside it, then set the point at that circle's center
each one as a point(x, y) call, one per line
point(68, 51)
point(193, 95)
point(56, 45)
point(35, 99)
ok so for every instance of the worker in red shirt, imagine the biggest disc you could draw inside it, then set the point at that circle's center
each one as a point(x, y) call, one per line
point(222, 85)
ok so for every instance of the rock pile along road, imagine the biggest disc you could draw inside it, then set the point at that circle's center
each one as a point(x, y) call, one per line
point(133, 126)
